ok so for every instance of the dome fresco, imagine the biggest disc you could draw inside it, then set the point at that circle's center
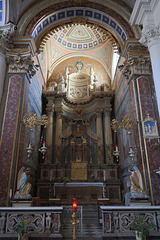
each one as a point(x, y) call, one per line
point(79, 37)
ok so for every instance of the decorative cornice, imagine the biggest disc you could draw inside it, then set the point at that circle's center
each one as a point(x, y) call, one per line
point(107, 111)
point(141, 8)
point(136, 63)
point(6, 33)
point(133, 45)
point(59, 111)
point(149, 35)
point(23, 42)
point(20, 61)
point(79, 20)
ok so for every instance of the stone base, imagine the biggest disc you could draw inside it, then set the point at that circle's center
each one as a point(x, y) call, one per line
point(21, 204)
point(25, 197)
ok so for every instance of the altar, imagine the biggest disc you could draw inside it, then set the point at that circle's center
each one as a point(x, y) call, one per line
point(84, 192)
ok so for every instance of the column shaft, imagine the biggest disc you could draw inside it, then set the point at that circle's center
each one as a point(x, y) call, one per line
point(49, 136)
point(100, 152)
point(108, 133)
point(154, 49)
point(58, 140)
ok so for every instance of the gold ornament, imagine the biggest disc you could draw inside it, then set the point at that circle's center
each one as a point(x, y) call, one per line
point(30, 120)
point(128, 123)
point(115, 124)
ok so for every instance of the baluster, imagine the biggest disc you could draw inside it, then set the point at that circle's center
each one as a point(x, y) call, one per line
point(48, 222)
point(2, 222)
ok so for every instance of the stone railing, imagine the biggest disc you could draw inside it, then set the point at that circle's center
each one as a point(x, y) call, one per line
point(42, 220)
point(116, 219)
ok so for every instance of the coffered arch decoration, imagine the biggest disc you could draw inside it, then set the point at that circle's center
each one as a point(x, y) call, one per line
point(66, 18)
point(38, 10)
point(52, 18)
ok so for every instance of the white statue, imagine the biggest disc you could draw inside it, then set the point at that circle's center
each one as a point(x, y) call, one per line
point(137, 188)
point(23, 184)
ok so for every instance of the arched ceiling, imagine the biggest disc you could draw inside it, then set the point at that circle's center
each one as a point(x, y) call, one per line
point(67, 30)
point(79, 37)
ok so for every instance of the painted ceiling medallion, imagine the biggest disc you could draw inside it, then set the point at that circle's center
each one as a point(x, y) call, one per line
point(79, 37)
point(79, 32)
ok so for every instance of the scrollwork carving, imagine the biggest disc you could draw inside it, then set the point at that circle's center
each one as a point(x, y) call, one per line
point(6, 33)
point(30, 120)
point(149, 34)
point(136, 63)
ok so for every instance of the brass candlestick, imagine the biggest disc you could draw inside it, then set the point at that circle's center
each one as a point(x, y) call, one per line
point(74, 222)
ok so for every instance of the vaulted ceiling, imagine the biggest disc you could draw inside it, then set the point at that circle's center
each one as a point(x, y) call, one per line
point(69, 31)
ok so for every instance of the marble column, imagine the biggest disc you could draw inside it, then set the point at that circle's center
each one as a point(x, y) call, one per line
point(108, 137)
point(137, 69)
point(151, 39)
point(146, 14)
point(58, 139)
point(11, 134)
point(49, 131)
point(100, 152)
point(108, 133)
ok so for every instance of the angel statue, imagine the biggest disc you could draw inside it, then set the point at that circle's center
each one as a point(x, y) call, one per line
point(137, 189)
point(23, 184)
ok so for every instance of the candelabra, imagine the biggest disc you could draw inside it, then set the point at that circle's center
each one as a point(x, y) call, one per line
point(43, 149)
point(128, 124)
point(31, 121)
point(115, 125)
point(131, 154)
point(116, 153)
point(29, 150)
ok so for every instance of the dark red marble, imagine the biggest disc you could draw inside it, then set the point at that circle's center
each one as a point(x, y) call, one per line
point(153, 154)
point(7, 143)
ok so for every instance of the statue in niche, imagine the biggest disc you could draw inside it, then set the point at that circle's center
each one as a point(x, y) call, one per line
point(52, 86)
point(61, 87)
point(136, 184)
point(23, 184)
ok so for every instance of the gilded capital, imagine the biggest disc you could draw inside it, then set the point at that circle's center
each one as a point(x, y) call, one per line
point(136, 63)
point(99, 112)
point(107, 111)
point(59, 111)
point(20, 61)
point(50, 109)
